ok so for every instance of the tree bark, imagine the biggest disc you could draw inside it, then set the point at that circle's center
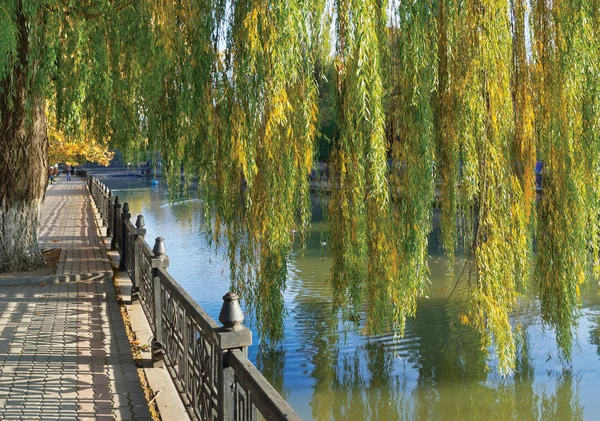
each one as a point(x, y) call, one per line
point(23, 163)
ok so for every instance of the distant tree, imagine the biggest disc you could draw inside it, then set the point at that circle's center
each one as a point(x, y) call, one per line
point(328, 119)
point(75, 151)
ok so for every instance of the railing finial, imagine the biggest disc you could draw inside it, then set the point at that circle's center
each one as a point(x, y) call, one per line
point(231, 313)
point(139, 222)
point(126, 214)
point(159, 247)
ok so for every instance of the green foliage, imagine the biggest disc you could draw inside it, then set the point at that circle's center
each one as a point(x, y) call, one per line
point(567, 57)
point(413, 52)
point(271, 58)
point(8, 40)
point(359, 206)
point(446, 92)
point(490, 191)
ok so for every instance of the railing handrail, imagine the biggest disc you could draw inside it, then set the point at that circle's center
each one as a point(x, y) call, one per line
point(234, 383)
point(209, 326)
point(269, 402)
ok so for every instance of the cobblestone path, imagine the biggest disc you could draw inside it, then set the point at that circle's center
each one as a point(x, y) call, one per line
point(64, 352)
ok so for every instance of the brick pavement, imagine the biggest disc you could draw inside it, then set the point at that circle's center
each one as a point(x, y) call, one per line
point(64, 352)
point(68, 223)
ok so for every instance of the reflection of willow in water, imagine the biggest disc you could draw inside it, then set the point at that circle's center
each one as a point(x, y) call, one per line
point(595, 330)
point(592, 310)
point(359, 391)
point(447, 350)
point(270, 361)
point(454, 384)
point(453, 381)
point(447, 353)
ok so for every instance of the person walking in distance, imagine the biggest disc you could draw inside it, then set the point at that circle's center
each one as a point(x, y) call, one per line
point(68, 173)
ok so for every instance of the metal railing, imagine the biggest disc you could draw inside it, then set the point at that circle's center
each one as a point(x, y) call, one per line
point(207, 362)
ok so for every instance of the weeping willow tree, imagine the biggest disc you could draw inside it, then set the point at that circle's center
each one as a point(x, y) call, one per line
point(567, 73)
point(468, 95)
point(224, 89)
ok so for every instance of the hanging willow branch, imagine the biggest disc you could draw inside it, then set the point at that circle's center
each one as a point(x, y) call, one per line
point(272, 100)
point(492, 191)
point(412, 153)
point(566, 53)
point(359, 202)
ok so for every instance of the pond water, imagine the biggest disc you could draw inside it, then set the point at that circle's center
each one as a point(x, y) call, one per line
point(328, 371)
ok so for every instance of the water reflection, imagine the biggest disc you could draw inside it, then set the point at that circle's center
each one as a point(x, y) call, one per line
point(270, 360)
point(361, 385)
point(437, 372)
point(447, 350)
point(364, 385)
point(595, 334)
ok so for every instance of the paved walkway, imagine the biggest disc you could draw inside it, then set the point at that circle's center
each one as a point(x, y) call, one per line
point(64, 352)
point(67, 223)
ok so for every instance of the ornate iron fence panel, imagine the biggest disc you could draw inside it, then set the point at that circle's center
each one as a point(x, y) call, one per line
point(130, 238)
point(118, 234)
point(253, 392)
point(110, 216)
point(94, 190)
point(146, 292)
point(203, 371)
point(244, 408)
point(103, 201)
point(191, 349)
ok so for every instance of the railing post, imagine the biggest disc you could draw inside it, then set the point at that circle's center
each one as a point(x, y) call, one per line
point(105, 197)
point(159, 261)
point(125, 217)
point(102, 200)
point(109, 228)
point(117, 207)
point(104, 209)
point(238, 337)
point(140, 231)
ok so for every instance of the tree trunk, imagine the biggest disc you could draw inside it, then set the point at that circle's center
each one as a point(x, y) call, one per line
point(23, 163)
